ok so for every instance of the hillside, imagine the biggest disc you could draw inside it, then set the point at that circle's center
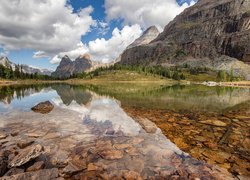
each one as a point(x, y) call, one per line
point(213, 34)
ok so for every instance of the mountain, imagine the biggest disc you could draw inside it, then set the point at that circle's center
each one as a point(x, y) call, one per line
point(67, 67)
point(25, 68)
point(6, 62)
point(211, 33)
point(150, 34)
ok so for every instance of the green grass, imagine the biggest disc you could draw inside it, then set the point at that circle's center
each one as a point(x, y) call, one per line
point(125, 76)
point(211, 76)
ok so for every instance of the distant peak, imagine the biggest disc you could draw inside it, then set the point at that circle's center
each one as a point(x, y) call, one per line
point(150, 34)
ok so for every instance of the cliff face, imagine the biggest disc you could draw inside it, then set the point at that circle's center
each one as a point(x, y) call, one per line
point(209, 31)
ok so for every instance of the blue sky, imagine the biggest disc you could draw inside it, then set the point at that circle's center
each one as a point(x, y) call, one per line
point(101, 28)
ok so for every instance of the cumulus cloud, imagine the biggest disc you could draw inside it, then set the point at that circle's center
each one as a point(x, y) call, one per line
point(144, 12)
point(73, 54)
point(103, 50)
point(47, 26)
point(108, 50)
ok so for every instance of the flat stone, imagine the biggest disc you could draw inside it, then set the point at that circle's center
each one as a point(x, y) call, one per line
point(35, 134)
point(36, 166)
point(92, 167)
point(3, 135)
point(214, 122)
point(122, 146)
point(72, 169)
point(131, 175)
point(26, 155)
point(59, 159)
point(24, 143)
point(14, 171)
point(44, 174)
point(111, 154)
point(43, 107)
point(147, 125)
point(137, 140)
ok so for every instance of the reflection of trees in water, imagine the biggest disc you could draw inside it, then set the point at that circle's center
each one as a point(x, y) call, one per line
point(164, 97)
point(69, 93)
point(180, 97)
point(8, 93)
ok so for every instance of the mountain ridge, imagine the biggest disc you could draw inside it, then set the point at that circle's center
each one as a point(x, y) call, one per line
point(214, 34)
point(25, 68)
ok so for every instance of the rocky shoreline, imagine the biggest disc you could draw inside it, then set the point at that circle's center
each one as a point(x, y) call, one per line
point(218, 139)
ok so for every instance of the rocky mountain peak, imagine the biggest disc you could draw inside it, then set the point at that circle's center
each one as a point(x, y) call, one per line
point(67, 67)
point(210, 33)
point(150, 34)
point(5, 61)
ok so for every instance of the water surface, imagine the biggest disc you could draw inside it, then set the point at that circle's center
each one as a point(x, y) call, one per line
point(201, 121)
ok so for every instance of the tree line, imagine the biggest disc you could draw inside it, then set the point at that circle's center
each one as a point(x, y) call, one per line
point(18, 73)
point(171, 73)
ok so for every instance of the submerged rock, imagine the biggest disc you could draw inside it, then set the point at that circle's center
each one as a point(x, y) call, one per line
point(214, 122)
point(111, 154)
point(3, 163)
point(14, 171)
point(24, 143)
point(3, 135)
point(43, 107)
point(42, 174)
point(36, 166)
point(26, 155)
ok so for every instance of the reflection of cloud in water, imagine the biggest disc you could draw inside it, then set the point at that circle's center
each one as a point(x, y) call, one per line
point(109, 110)
point(74, 106)
point(104, 110)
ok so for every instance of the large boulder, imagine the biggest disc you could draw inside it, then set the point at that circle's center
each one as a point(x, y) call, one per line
point(43, 107)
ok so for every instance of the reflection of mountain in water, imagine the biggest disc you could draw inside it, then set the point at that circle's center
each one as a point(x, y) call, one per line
point(178, 97)
point(69, 93)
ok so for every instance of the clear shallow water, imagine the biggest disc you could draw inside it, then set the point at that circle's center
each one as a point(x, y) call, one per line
point(85, 113)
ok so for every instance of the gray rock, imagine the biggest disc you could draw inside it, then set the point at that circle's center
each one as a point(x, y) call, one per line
point(205, 32)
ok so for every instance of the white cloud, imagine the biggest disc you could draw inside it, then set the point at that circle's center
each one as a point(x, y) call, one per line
point(47, 26)
point(105, 50)
point(143, 12)
point(73, 54)
point(108, 50)
point(103, 27)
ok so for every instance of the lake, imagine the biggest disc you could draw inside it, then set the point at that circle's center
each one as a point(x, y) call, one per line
point(131, 130)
